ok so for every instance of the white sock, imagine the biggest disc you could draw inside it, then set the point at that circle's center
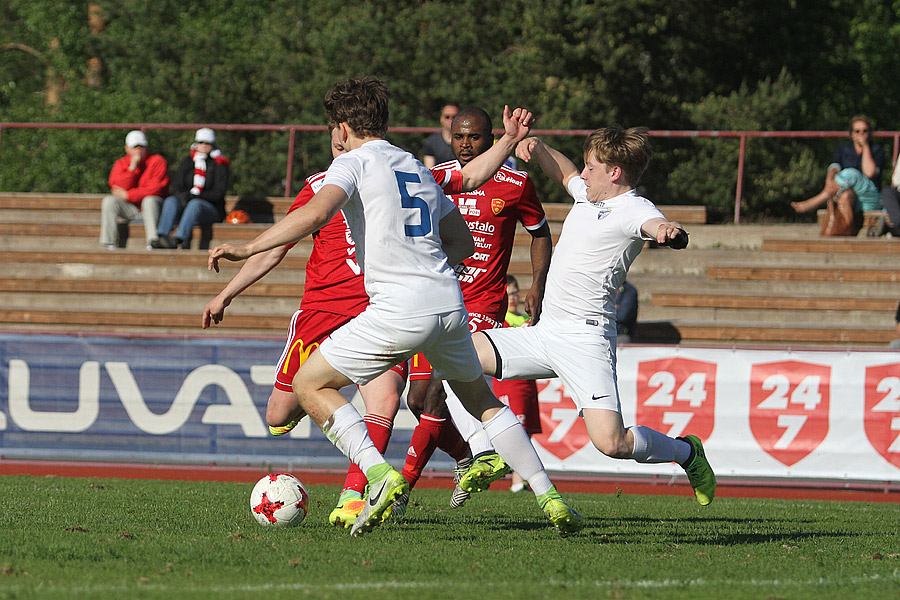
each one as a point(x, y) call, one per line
point(347, 430)
point(480, 442)
point(512, 444)
point(651, 446)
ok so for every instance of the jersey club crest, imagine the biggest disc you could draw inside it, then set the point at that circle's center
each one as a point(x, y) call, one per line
point(497, 205)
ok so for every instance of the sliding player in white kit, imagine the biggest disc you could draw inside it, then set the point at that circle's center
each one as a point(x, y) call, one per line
point(408, 237)
point(575, 339)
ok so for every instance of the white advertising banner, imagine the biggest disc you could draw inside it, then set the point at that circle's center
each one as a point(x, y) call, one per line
point(760, 413)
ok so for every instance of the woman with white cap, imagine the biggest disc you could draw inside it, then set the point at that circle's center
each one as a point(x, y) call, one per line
point(198, 190)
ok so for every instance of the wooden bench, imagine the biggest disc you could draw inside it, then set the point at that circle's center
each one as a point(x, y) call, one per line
point(86, 203)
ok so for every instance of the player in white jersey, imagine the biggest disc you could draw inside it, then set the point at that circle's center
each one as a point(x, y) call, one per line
point(408, 236)
point(576, 337)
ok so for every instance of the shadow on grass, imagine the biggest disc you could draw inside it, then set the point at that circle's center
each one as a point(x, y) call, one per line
point(630, 530)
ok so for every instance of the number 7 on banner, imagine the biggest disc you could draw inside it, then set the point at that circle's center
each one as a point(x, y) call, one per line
point(789, 404)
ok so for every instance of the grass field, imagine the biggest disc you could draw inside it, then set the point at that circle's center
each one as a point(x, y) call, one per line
point(117, 538)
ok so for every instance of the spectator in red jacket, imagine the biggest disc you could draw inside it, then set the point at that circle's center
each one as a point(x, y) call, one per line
point(138, 182)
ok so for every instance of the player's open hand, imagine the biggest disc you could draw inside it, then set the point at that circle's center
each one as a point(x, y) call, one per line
point(525, 148)
point(518, 123)
point(213, 312)
point(228, 252)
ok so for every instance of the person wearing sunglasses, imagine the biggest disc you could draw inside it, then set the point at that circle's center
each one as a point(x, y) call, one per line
point(853, 181)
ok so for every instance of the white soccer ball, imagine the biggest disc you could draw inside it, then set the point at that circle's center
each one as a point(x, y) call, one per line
point(279, 499)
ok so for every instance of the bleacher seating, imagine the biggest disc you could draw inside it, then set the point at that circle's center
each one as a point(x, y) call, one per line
point(732, 286)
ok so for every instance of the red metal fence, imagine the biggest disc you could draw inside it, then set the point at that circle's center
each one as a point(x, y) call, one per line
point(292, 130)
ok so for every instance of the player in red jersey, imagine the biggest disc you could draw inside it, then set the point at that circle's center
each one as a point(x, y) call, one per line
point(333, 294)
point(492, 212)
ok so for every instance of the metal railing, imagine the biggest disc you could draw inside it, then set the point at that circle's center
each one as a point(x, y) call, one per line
point(292, 130)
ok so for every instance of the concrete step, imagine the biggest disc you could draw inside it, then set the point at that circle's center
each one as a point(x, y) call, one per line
point(183, 272)
point(714, 315)
point(746, 236)
point(805, 272)
point(223, 232)
point(139, 322)
point(697, 261)
point(763, 301)
point(296, 259)
point(150, 302)
point(647, 283)
point(835, 245)
point(763, 334)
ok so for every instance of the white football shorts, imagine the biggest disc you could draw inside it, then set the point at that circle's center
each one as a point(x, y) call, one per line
point(373, 342)
point(580, 355)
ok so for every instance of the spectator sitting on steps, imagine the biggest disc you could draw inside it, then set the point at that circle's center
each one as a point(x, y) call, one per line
point(138, 182)
point(853, 181)
point(199, 192)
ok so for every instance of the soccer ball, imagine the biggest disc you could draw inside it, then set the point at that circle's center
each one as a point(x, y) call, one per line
point(279, 499)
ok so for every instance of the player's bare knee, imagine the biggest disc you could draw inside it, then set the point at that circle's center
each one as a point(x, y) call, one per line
point(415, 397)
point(435, 399)
point(278, 412)
point(612, 446)
point(611, 449)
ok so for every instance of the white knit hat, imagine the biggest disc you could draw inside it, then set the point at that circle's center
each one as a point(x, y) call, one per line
point(136, 138)
point(205, 135)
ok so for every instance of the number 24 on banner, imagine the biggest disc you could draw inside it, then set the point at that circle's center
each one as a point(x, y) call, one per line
point(789, 403)
point(882, 416)
point(677, 396)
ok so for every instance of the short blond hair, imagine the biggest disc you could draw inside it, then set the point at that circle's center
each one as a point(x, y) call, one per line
point(615, 146)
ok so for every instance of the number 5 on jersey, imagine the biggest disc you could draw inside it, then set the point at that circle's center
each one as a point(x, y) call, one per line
point(415, 203)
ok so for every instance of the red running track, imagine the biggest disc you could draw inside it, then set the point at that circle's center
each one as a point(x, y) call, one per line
point(588, 484)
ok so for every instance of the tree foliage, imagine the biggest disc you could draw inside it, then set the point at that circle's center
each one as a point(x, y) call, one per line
point(749, 64)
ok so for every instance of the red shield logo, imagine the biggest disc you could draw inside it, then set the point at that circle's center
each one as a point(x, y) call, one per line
point(789, 403)
point(677, 396)
point(563, 431)
point(882, 418)
point(497, 205)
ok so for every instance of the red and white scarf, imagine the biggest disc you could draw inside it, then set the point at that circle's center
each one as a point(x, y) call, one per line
point(199, 159)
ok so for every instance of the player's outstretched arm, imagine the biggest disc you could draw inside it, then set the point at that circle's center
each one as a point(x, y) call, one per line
point(666, 233)
point(456, 238)
point(254, 269)
point(295, 226)
point(516, 125)
point(553, 163)
point(541, 250)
